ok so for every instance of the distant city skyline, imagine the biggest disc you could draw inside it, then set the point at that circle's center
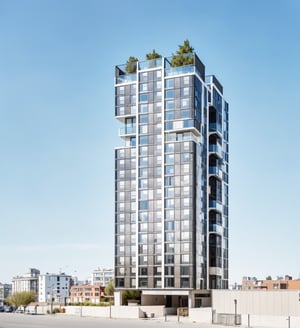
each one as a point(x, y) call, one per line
point(57, 127)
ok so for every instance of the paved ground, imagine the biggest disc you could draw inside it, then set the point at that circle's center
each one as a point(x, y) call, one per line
point(14, 320)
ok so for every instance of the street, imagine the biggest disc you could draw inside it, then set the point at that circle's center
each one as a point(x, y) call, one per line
point(14, 320)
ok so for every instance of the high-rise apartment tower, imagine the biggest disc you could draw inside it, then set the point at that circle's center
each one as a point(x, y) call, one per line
point(171, 181)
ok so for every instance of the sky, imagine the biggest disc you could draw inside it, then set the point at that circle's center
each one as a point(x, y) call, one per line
point(58, 131)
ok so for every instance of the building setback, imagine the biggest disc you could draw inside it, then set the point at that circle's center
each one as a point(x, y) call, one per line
point(171, 181)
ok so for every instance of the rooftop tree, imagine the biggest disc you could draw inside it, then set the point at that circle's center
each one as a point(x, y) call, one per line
point(182, 57)
point(131, 65)
point(153, 55)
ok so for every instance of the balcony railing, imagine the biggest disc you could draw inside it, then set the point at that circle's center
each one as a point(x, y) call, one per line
point(180, 70)
point(215, 228)
point(215, 170)
point(125, 78)
point(216, 205)
point(216, 148)
point(215, 127)
point(157, 62)
point(127, 130)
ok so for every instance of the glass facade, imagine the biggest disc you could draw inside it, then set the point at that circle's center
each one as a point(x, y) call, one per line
point(171, 178)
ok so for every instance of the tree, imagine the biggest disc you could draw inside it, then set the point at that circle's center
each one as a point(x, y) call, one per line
point(21, 299)
point(110, 288)
point(183, 55)
point(268, 278)
point(153, 55)
point(131, 65)
point(130, 295)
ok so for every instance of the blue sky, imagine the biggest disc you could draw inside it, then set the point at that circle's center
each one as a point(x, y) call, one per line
point(58, 132)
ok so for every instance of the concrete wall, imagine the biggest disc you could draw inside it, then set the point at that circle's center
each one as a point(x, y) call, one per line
point(127, 312)
point(270, 321)
point(203, 315)
point(265, 303)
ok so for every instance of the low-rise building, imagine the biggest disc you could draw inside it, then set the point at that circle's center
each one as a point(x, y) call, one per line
point(27, 282)
point(269, 284)
point(5, 291)
point(54, 287)
point(102, 277)
point(86, 293)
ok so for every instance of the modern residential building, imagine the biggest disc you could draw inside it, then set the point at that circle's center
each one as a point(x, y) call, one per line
point(5, 291)
point(54, 287)
point(86, 293)
point(28, 282)
point(171, 181)
point(287, 282)
point(102, 277)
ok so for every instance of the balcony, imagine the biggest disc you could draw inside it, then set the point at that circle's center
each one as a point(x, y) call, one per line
point(215, 228)
point(215, 128)
point(213, 204)
point(180, 70)
point(148, 64)
point(216, 149)
point(215, 170)
point(127, 78)
point(127, 131)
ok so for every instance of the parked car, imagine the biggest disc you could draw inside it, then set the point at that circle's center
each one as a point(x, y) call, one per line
point(1, 308)
point(8, 308)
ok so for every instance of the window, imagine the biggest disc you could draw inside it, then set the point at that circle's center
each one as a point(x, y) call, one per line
point(143, 140)
point(144, 76)
point(185, 282)
point(143, 216)
point(170, 104)
point(143, 129)
point(144, 97)
point(185, 103)
point(144, 117)
point(169, 203)
point(169, 259)
point(143, 183)
point(144, 108)
point(185, 113)
point(169, 192)
point(143, 150)
point(170, 236)
point(169, 169)
point(143, 205)
point(170, 83)
point(143, 238)
point(169, 225)
point(143, 161)
point(143, 172)
point(169, 214)
point(185, 258)
point(169, 115)
point(143, 194)
point(143, 87)
point(169, 282)
point(169, 147)
point(170, 94)
point(169, 158)
point(169, 181)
